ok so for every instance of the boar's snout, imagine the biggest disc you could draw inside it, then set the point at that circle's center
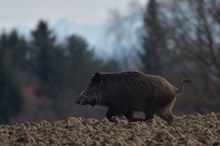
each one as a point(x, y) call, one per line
point(78, 101)
point(82, 100)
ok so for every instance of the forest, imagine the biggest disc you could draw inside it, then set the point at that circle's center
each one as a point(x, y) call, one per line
point(41, 77)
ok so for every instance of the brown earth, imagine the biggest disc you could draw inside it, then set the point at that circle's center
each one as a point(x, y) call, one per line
point(186, 130)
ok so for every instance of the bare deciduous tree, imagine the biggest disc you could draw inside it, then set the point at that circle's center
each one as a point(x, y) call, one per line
point(195, 35)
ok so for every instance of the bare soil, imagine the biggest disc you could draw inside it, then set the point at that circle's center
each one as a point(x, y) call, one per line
point(186, 130)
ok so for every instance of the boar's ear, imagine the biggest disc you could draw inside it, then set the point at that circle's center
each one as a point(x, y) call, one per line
point(96, 77)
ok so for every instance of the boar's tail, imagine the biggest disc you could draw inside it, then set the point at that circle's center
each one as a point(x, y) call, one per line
point(184, 82)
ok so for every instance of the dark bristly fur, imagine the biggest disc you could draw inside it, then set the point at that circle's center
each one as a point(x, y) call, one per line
point(126, 92)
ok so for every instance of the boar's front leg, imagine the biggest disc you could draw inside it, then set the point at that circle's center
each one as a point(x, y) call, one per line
point(149, 111)
point(112, 112)
point(129, 115)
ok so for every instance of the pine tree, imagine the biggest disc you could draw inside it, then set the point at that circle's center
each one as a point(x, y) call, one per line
point(81, 61)
point(11, 101)
point(15, 48)
point(48, 61)
point(153, 40)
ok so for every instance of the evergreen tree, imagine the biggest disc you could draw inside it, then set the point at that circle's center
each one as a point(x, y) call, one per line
point(11, 100)
point(15, 48)
point(81, 61)
point(43, 45)
point(48, 61)
point(153, 40)
point(19, 48)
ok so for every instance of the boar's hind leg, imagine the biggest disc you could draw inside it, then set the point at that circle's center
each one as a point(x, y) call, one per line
point(167, 117)
point(166, 112)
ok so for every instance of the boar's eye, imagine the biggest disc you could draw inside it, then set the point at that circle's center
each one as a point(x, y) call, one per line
point(96, 78)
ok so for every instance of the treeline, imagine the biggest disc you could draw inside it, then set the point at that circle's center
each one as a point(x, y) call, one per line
point(55, 71)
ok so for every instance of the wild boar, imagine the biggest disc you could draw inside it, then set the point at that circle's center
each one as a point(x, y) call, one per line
point(126, 92)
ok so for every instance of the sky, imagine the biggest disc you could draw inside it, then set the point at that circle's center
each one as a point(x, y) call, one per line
point(84, 17)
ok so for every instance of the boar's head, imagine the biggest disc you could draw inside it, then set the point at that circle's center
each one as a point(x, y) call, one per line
point(92, 92)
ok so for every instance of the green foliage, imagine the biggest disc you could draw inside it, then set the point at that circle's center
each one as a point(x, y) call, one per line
point(11, 100)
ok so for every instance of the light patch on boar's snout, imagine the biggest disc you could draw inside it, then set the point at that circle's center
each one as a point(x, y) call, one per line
point(80, 98)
